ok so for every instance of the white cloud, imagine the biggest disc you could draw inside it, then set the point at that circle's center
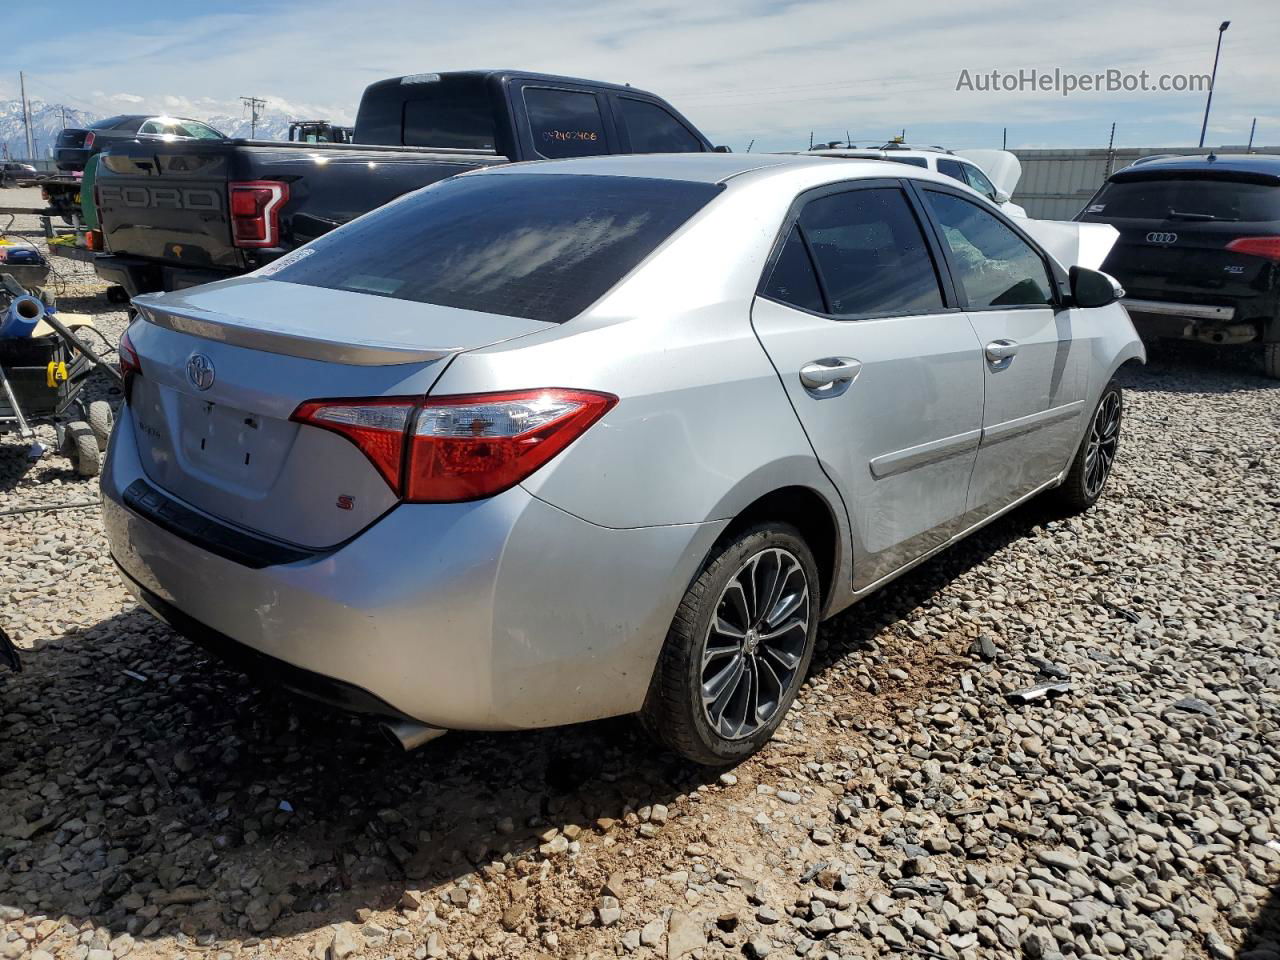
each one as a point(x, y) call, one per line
point(740, 69)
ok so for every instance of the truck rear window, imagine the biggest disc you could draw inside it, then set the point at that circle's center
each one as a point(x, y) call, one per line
point(1190, 198)
point(542, 247)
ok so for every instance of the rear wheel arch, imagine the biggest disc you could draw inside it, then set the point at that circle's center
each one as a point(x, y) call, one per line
point(810, 513)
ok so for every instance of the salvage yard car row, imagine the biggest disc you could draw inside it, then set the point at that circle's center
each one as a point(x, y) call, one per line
point(630, 427)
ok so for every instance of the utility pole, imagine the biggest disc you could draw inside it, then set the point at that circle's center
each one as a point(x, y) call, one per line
point(1213, 79)
point(62, 109)
point(1253, 128)
point(26, 115)
point(255, 106)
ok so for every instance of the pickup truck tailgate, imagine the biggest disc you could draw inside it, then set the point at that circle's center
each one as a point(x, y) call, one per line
point(168, 203)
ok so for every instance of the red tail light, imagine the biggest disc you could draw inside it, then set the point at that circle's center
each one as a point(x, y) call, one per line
point(1266, 247)
point(88, 140)
point(255, 211)
point(130, 366)
point(446, 449)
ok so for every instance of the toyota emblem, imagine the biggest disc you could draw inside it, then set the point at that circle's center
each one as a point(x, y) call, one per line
point(200, 371)
point(1166, 238)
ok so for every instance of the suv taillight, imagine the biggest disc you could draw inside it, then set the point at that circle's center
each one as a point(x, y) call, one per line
point(1266, 247)
point(88, 140)
point(447, 449)
point(255, 211)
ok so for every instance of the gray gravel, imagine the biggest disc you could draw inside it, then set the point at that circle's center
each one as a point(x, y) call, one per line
point(155, 804)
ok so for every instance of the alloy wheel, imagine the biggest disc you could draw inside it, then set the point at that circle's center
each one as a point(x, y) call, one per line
point(755, 643)
point(1104, 440)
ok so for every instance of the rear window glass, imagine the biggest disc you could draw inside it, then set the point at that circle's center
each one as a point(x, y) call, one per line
point(1189, 199)
point(871, 254)
point(539, 247)
point(428, 110)
point(565, 123)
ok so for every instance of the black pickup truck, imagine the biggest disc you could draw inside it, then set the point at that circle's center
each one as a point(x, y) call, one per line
point(182, 213)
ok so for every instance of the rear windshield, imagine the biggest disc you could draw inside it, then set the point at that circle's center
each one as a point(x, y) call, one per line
point(429, 110)
point(1188, 199)
point(520, 245)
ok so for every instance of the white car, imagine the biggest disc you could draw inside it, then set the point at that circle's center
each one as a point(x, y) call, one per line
point(970, 167)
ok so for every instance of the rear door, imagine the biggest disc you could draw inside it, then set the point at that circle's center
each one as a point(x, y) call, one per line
point(880, 364)
point(1033, 367)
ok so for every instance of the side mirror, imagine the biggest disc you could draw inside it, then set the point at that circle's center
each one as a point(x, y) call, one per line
point(721, 149)
point(1093, 288)
point(1002, 197)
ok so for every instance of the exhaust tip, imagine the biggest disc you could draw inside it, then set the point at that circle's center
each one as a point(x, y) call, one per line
point(408, 735)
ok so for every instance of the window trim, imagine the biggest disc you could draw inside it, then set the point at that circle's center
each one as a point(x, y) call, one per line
point(950, 302)
point(1059, 283)
point(606, 125)
point(624, 132)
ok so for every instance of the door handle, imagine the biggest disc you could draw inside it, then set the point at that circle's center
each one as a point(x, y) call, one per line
point(825, 377)
point(1001, 352)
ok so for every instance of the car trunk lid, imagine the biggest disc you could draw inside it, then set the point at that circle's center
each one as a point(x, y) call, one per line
point(225, 366)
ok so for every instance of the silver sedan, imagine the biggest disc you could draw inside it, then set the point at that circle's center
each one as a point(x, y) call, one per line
point(559, 441)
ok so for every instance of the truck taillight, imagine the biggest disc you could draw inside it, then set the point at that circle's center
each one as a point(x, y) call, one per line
point(88, 140)
point(448, 449)
point(1266, 247)
point(255, 211)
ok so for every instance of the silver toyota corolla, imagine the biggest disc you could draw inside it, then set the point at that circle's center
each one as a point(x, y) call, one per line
point(560, 441)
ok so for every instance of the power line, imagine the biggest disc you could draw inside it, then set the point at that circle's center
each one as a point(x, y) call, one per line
point(255, 106)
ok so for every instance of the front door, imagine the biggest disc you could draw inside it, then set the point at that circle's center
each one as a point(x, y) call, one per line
point(883, 370)
point(1033, 367)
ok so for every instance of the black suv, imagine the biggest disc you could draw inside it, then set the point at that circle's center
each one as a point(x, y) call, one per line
point(1199, 248)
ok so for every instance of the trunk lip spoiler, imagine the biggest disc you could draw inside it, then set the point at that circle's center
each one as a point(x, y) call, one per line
point(222, 329)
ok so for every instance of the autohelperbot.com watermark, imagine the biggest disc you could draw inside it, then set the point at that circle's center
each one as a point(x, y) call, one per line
point(1066, 82)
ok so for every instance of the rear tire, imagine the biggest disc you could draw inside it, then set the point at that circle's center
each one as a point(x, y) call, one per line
point(738, 648)
point(84, 449)
point(1096, 456)
point(1271, 360)
point(101, 420)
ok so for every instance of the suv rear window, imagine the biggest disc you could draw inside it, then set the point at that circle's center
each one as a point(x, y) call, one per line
point(520, 245)
point(1190, 198)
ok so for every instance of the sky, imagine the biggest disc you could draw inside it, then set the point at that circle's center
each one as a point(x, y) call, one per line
point(768, 71)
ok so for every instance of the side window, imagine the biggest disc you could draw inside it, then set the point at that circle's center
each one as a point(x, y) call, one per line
point(653, 130)
point(793, 281)
point(978, 180)
point(953, 169)
point(996, 267)
point(913, 161)
point(149, 127)
point(871, 253)
point(565, 123)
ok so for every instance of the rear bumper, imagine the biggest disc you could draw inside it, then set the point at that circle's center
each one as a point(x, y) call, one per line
point(70, 159)
point(497, 614)
point(139, 275)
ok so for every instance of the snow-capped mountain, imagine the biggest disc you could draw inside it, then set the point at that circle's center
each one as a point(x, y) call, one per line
point(47, 122)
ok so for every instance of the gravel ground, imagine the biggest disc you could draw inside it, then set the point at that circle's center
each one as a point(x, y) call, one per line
point(155, 804)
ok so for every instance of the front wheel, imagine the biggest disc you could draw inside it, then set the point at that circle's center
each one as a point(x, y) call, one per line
point(1097, 454)
point(738, 648)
